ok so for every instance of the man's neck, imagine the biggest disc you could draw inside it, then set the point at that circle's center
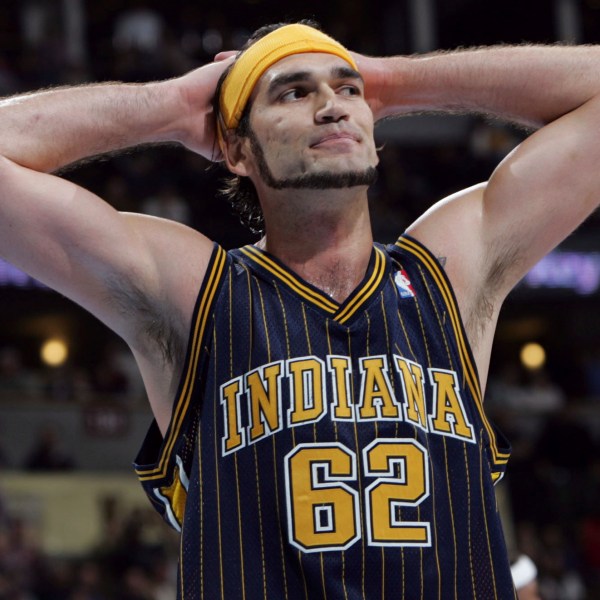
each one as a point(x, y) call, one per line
point(328, 246)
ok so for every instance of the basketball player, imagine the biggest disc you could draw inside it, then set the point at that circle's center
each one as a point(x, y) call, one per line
point(319, 429)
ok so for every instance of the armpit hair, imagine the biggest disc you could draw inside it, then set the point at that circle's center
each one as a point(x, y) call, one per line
point(479, 318)
point(156, 330)
point(507, 255)
point(486, 302)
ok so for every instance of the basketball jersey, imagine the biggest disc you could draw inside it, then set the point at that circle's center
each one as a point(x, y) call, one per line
point(325, 450)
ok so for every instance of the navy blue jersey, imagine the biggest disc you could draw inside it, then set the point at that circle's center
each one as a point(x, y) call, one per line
point(326, 450)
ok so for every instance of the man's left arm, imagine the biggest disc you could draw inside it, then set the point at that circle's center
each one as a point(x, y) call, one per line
point(491, 234)
point(542, 190)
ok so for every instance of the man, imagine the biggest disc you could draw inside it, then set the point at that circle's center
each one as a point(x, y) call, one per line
point(318, 398)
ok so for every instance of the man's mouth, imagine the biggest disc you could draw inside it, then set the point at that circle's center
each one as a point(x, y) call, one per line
point(336, 139)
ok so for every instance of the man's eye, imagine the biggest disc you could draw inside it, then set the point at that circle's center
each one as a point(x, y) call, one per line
point(349, 90)
point(291, 95)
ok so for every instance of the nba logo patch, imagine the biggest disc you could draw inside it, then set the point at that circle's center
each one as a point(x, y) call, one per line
point(404, 285)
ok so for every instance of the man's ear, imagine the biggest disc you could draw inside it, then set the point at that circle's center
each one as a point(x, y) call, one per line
point(235, 153)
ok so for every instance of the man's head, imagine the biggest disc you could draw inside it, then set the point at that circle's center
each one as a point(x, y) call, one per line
point(292, 115)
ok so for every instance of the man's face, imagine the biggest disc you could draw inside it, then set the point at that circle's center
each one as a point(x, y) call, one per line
point(311, 126)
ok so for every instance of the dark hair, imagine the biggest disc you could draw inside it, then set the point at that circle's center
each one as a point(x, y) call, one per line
point(240, 191)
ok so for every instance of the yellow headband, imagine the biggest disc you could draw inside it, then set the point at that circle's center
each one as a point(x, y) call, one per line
point(247, 70)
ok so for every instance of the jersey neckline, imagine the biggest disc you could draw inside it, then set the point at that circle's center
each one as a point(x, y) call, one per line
point(262, 261)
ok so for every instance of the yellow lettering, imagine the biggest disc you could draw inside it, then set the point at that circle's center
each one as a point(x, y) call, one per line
point(230, 396)
point(306, 390)
point(448, 415)
point(377, 398)
point(411, 376)
point(339, 366)
point(264, 401)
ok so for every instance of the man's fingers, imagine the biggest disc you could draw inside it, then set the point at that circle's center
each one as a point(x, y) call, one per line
point(225, 55)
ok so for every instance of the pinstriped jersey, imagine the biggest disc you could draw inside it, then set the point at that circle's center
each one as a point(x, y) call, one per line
point(330, 450)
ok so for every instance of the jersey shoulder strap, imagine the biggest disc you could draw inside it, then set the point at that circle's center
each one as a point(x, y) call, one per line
point(163, 464)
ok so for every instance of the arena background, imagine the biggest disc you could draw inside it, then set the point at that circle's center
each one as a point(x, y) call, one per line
point(73, 521)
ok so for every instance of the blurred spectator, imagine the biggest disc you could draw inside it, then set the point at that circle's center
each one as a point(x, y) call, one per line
point(138, 28)
point(489, 143)
point(566, 443)
point(87, 584)
point(137, 585)
point(590, 528)
point(21, 560)
point(140, 171)
point(591, 371)
point(16, 381)
point(66, 383)
point(559, 578)
point(4, 464)
point(542, 395)
point(167, 203)
point(108, 378)
point(144, 49)
point(165, 578)
point(45, 56)
point(47, 453)
point(118, 194)
point(551, 558)
point(505, 388)
point(9, 82)
point(524, 573)
point(531, 391)
point(116, 373)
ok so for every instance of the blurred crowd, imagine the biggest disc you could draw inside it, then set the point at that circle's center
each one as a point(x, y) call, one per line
point(553, 478)
point(554, 475)
point(135, 559)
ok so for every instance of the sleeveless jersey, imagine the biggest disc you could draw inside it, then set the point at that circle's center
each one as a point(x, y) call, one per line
point(320, 450)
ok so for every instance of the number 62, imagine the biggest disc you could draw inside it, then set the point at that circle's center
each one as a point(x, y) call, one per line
point(324, 511)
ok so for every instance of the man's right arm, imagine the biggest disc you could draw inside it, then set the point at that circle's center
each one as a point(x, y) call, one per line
point(47, 130)
point(126, 269)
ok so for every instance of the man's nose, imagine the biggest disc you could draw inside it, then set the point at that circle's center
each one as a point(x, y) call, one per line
point(330, 108)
